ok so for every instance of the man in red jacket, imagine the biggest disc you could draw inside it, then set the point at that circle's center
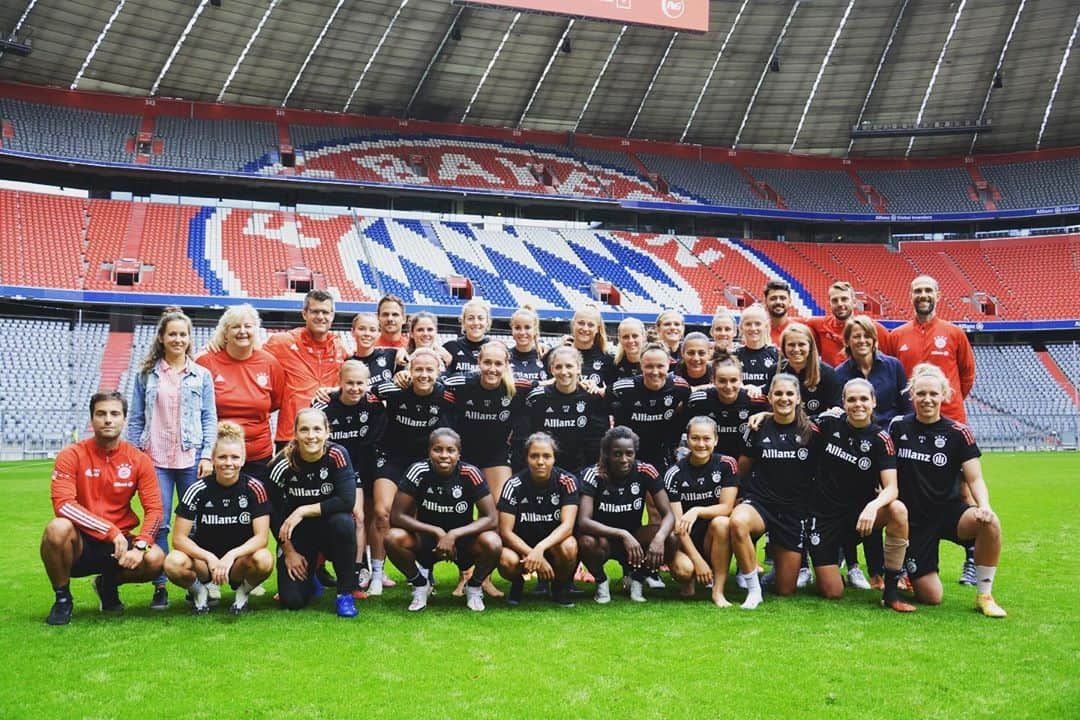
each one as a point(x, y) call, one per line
point(829, 329)
point(310, 356)
point(93, 482)
point(930, 339)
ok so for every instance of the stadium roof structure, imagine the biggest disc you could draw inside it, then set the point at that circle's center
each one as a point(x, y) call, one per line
point(780, 75)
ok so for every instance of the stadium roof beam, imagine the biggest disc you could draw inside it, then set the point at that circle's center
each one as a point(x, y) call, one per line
point(314, 47)
point(247, 48)
point(434, 57)
point(937, 68)
point(600, 76)
point(176, 48)
point(712, 70)
point(97, 43)
point(765, 70)
point(997, 71)
point(656, 74)
point(374, 54)
point(820, 72)
point(491, 64)
point(18, 26)
point(1057, 81)
point(540, 81)
point(877, 72)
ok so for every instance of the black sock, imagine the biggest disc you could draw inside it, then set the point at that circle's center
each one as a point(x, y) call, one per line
point(640, 574)
point(418, 580)
point(63, 592)
point(969, 552)
point(889, 594)
point(600, 577)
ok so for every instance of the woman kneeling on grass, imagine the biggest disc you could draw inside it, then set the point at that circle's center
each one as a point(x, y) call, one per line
point(537, 511)
point(316, 487)
point(702, 488)
point(441, 492)
point(222, 528)
point(934, 456)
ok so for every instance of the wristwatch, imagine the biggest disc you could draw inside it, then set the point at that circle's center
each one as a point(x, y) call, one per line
point(141, 546)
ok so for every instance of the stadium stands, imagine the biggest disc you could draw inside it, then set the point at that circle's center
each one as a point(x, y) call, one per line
point(813, 190)
point(68, 132)
point(71, 243)
point(213, 144)
point(1035, 184)
point(941, 190)
point(708, 182)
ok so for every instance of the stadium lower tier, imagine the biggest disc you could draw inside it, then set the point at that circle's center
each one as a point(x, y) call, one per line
point(67, 243)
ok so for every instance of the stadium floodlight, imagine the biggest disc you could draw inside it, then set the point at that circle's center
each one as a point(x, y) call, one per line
point(564, 42)
point(599, 77)
point(652, 82)
point(247, 47)
point(11, 45)
point(820, 73)
point(937, 69)
point(431, 62)
point(712, 70)
point(97, 44)
point(491, 64)
point(1057, 81)
point(311, 52)
point(766, 69)
point(998, 82)
point(877, 72)
point(176, 48)
point(374, 54)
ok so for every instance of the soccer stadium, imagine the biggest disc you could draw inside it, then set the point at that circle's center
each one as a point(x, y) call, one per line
point(519, 358)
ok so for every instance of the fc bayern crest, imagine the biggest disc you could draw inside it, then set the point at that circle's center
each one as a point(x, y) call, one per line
point(940, 342)
point(597, 364)
point(380, 361)
point(581, 406)
point(363, 416)
point(635, 488)
point(668, 400)
point(323, 473)
point(864, 446)
point(242, 502)
point(939, 441)
point(505, 401)
point(456, 492)
point(744, 414)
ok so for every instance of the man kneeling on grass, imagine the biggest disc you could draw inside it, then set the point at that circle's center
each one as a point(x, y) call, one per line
point(93, 482)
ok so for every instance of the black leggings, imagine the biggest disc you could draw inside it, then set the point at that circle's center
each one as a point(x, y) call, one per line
point(335, 537)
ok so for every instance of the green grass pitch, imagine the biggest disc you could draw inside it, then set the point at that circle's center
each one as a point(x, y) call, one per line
point(796, 658)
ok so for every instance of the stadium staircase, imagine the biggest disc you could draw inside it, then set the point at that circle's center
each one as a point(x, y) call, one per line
point(1059, 376)
point(982, 191)
point(867, 193)
point(115, 359)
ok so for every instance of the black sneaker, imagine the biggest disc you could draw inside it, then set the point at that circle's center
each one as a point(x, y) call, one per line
point(160, 601)
point(108, 594)
point(561, 597)
point(517, 589)
point(60, 613)
point(543, 587)
point(235, 609)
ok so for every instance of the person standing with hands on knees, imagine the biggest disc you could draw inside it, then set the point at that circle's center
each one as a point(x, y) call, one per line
point(93, 483)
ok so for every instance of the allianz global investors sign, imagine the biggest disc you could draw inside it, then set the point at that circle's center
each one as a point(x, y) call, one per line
point(685, 15)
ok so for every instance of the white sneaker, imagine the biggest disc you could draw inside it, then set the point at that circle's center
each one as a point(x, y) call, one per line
point(419, 596)
point(753, 599)
point(375, 586)
point(654, 582)
point(805, 578)
point(474, 598)
point(637, 593)
point(603, 592)
point(363, 578)
point(739, 580)
point(214, 591)
point(258, 591)
point(856, 578)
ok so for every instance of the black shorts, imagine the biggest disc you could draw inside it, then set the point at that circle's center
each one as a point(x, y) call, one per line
point(924, 536)
point(96, 557)
point(784, 526)
point(497, 456)
point(392, 469)
point(463, 556)
point(616, 548)
point(826, 536)
point(532, 535)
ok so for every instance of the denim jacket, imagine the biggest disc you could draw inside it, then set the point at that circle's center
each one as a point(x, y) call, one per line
point(198, 414)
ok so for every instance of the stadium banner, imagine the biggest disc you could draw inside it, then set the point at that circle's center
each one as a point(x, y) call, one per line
point(684, 15)
point(17, 293)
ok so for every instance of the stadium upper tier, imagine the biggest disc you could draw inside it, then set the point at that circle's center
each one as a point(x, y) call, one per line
point(77, 244)
point(486, 160)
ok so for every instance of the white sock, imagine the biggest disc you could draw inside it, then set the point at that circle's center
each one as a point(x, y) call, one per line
point(984, 578)
point(199, 593)
point(377, 568)
point(242, 593)
point(753, 590)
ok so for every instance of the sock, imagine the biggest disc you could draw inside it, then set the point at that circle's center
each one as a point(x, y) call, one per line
point(63, 593)
point(969, 553)
point(377, 568)
point(890, 594)
point(753, 589)
point(242, 593)
point(419, 578)
point(600, 577)
point(984, 578)
point(199, 593)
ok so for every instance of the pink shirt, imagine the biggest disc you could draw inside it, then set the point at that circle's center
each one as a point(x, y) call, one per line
point(164, 446)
